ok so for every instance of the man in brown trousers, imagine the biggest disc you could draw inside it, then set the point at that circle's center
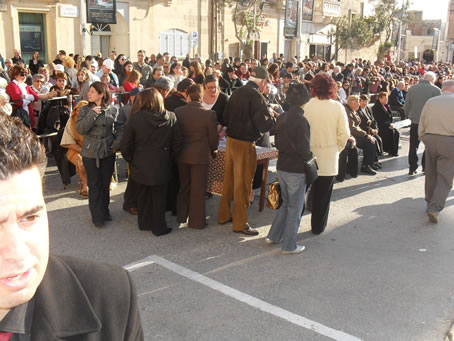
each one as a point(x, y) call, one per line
point(247, 118)
point(436, 130)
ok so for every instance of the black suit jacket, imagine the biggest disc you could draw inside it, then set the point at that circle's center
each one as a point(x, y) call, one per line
point(80, 300)
point(383, 116)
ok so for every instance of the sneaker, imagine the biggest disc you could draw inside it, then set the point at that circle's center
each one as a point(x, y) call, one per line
point(433, 217)
point(268, 241)
point(299, 249)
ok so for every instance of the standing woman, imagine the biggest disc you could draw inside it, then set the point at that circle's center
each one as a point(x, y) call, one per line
point(292, 133)
point(22, 94)
point(95, 124)
point(126, 70)
point(83, 84)
point(131, 82)
point(214, 99)
point(118, 64)
point(329, 134)
point(152, 137)
point(35, 63)
point(200, 141)
point(383, 116)
point(196, 73)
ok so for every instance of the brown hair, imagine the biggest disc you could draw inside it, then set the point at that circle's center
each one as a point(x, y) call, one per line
point(102, 89)
point(20, 148)
point(195, 92)
point(150, 100)
point(85, 72)
point(134, 77)
point(197, 68)
point(382, 94)
point(60, 75)
point(17, 70)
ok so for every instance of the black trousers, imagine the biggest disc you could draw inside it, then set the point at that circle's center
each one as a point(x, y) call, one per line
point(98, 179)
point(413, 149)
point(191, 197)
point(322, 188)
point(151, 204)
point(130, 195)
point(390, 138)
point(172, 189)
point(369, 150)
point(348, 162)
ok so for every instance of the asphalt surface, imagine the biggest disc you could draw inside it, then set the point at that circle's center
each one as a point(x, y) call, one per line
point(381, 271)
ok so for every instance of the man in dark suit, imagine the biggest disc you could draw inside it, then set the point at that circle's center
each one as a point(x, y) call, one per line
point(46, 297)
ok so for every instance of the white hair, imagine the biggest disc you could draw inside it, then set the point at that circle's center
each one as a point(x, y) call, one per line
point(448, 85)
point(430, 76)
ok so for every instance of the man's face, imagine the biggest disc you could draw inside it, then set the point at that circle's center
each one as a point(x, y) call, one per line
point(24, 238)
point(140, 57)
point(93, 68)
point(354, 105)
point(106, 70)
point(243, 69)
point(8, 64)
point(157, 74)
point(263, 85)
point(166, 68)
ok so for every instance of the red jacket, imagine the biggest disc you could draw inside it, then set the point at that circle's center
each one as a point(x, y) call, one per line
point(15, 93)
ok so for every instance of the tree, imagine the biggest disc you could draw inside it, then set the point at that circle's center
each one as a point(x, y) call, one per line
point(248, 17)
point(388, 11)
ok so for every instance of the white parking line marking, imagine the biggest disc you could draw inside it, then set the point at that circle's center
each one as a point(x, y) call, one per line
point(245, 298)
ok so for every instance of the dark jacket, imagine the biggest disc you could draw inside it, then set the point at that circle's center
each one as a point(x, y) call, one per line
point(149, 142)
point(34, 68)
point(219, 107)
point(82, 300)
point(354, 122)
point(200, 134)
point(246, 114)
point(98, 131)
point(367, 119)
point(120, 124)
point(292, 137)
point(174, 101)
point(383, 116)
point(396, 98)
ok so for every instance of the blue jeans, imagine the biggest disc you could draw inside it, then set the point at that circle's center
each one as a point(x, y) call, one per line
point(287, 220)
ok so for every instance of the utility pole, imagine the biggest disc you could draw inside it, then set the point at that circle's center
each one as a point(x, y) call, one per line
point(83, 26)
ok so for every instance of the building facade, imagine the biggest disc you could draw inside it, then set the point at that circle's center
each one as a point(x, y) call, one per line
point(178, 27)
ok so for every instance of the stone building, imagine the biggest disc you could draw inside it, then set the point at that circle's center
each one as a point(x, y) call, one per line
point(175, 26)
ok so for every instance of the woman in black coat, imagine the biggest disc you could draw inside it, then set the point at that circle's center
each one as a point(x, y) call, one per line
point(152, 137)
point(383, 116)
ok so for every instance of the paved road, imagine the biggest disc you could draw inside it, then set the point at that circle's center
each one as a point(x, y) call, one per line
point(380, 271)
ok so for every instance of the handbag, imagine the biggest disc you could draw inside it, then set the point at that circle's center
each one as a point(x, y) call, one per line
point(311, 170)
point(23, 115)
point(274, 198)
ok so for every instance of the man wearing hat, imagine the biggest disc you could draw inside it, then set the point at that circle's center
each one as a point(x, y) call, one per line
point(106, 69)
point(247, 119)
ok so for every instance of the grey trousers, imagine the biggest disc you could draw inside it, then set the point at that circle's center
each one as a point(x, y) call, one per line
point(439, 170)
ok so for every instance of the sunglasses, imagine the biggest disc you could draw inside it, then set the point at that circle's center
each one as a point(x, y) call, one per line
point(23, 74)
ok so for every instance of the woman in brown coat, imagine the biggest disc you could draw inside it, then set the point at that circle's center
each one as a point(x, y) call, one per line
point(200, 141)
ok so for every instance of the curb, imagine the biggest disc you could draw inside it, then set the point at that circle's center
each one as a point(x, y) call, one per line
point(450, 334)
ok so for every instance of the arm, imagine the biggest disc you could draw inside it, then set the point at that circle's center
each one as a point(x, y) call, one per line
point(127, 141)
point(85, 120)
point(261, 116)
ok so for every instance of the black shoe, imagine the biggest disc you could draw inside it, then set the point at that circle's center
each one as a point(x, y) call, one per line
point(374, 167)
point(108, 217)
point(98, 224)
point(354, 175)
point(339, 179)
point(378, 164)
point(368, 170)
point(413, 172)
point(248, 231)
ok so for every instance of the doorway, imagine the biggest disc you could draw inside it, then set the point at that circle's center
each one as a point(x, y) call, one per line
point(32, 32)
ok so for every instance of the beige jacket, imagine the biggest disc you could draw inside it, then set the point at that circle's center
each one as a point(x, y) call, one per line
point(329, 133)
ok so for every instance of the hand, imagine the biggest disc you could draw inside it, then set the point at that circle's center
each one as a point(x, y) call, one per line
point(97, 110)
point(52, 94)
point(391, 126)
point(371, 139)
point(353, 141)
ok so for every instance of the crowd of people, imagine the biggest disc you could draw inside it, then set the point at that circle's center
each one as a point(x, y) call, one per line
point(167, 118)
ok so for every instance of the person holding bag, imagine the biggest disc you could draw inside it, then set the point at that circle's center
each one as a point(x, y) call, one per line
point(292, 137)
point(95, 124)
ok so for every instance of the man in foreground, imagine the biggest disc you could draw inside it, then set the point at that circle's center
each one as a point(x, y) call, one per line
point(46, 297)
point(247, 118)
point(436, 130)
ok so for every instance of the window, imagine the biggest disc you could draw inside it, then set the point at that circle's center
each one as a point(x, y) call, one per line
point(175, 42)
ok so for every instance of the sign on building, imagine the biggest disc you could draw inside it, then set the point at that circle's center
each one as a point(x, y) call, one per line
point(331, 8)
point(291, 19)
point(101, 12)
point(308, 10)
point(69, 11)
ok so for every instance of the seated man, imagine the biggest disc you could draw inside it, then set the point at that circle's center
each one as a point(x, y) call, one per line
point(363, 140)
point(396, 99)
point(46, 297)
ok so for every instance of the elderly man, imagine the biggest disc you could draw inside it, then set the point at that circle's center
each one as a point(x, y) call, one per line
point(106, 69)
point(436, 130)
point(396, 99)
point(417, 97)
point(144, 69)
point(247, 118)
point(42, 296)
